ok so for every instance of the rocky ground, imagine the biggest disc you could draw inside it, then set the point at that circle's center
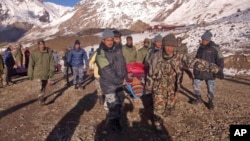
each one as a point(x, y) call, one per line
point(77, 116)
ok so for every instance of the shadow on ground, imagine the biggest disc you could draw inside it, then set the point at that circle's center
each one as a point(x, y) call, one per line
point(66, 127)
point(136, 130)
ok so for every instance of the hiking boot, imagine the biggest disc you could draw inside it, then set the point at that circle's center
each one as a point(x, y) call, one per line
point(42, 100)
point(159, 127)
point(76, 86)
point(68, 84)
point(210, 104)
point(115, 125)
point(198, 100)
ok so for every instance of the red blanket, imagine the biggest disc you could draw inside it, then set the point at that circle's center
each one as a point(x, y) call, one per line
point(135, 68)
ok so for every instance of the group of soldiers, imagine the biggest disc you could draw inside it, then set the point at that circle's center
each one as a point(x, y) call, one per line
point(164, 58)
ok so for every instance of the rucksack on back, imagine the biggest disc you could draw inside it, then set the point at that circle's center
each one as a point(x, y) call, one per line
point(217, 47)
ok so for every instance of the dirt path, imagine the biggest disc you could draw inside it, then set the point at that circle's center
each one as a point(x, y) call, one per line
point(77, 116)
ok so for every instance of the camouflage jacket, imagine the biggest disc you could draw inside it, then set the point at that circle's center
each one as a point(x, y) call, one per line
point(164, 71)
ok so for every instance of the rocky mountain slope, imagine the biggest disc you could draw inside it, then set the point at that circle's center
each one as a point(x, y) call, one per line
point(123, 13)
point(19, 16)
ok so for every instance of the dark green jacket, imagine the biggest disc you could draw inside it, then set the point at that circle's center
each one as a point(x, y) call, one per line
point(18, 55)
point(129, 54)
point(141, 54)
point(182, 49)
point(41, 64)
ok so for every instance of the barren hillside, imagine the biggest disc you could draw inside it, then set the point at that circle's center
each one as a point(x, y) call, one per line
point(77, 115)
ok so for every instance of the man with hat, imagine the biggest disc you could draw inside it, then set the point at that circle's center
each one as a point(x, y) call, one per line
point(117, 38)
point(181, 48)
point(41, 68)
point(94, 68)
point(207, 51)
point(9, 64)
point(112, 70)
point(129, 51)
point(164, 67)
point(157, 43)
point(142, 52)
point(67, 66)
point(75, 58)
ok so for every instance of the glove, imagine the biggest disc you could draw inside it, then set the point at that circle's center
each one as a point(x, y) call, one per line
point(220, 74)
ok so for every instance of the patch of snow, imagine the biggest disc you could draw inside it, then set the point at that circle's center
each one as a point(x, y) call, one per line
point(233, 72)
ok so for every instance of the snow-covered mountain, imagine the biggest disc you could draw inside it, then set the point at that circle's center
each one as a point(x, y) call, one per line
point(123, 13)
point(118, 14)
point(19, 16)
point(30, 11)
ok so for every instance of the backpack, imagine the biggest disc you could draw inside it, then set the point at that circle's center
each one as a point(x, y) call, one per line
point(217, 47)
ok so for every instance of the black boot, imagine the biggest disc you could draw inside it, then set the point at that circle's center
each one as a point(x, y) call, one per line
point(76, 86)
point(159, 127)
point(210, 104)
point(198, 100)
point(115, 125)
point(41, 100)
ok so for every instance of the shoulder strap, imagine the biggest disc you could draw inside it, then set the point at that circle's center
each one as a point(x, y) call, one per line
point(217, 47)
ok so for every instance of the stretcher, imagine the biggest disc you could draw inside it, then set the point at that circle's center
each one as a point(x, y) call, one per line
point(135, 81)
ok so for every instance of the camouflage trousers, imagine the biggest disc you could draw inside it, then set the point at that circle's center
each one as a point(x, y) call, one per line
point(210, 87)
point(114, 103)
point(98, 87)
point(164, 102)
point(40, 86)
point(78, 74)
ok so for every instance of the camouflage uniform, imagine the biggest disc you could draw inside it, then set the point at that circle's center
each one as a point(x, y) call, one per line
point(182, 48)
point(162, 79)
